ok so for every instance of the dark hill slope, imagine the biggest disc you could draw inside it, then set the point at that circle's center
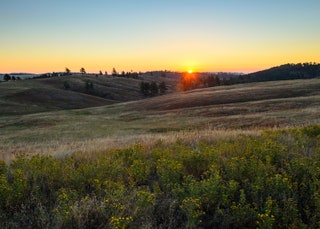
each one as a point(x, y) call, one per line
point(285, 72)
point(113, 88)
point(71, 92)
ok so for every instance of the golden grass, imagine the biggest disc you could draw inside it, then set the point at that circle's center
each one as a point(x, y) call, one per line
point(62, 147)
point(196, 115)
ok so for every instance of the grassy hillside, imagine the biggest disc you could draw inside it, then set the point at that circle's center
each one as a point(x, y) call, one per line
point(233, 94)
point(71, 92)
point(189, 114)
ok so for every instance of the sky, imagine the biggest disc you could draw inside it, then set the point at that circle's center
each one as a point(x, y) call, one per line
point(144, 35)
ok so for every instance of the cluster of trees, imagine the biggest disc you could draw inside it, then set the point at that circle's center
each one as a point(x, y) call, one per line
point(7, 77)
point(265, 181)
point(198, 80)
point(153, 88)
point(134, 75)
point(283, 72)
point(114, 72)
point(66, 85)
point(88, 85)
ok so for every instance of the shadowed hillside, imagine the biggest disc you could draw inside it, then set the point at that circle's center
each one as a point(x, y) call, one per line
point(286, 71)
point(72, 92)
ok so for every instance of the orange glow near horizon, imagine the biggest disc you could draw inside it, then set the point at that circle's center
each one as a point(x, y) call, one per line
point(189, 76)
point(38, 65)
point(213, 40)
point(34, 61)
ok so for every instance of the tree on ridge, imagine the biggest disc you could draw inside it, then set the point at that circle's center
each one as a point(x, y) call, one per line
point(82, 71)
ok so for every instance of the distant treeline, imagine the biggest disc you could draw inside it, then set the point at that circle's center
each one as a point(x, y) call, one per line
point(283, 72)
point(8, 77)
point(153, 89)
point(203, 80)
point(134, 75)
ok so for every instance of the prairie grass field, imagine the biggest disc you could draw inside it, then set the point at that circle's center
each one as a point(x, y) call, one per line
point(247, 107)
point(239, 156)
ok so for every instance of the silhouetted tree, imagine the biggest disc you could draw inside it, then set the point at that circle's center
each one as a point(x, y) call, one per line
point(185, 84)
point(154, 89)
point(89, 85)
point(100, 73)
point(145, 88)
point(6, 77)
point(66, 85)
point(114, 72)
point(213, 81)
point(68, 72)
point(162, 87)
point(82, 71)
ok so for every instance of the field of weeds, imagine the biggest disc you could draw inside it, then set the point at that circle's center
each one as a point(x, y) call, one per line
point(248, 180)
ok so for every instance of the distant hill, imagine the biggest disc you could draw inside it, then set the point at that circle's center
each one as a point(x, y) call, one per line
point(73, 92)
point(285, 72)
point(50, 93)
point(20, 75)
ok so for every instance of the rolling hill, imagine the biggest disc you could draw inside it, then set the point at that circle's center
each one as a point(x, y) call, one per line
point(286, 72)
point(196, 113)
point(71, 92)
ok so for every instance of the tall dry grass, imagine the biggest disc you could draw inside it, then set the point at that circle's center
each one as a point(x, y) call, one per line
point(61, 148)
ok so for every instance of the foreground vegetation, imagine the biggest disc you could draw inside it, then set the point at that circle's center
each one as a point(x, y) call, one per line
point(266, 181)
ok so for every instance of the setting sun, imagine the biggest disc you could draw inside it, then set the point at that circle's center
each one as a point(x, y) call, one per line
point(190, 71)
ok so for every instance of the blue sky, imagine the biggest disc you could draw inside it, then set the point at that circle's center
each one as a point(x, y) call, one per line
point(149, 35)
